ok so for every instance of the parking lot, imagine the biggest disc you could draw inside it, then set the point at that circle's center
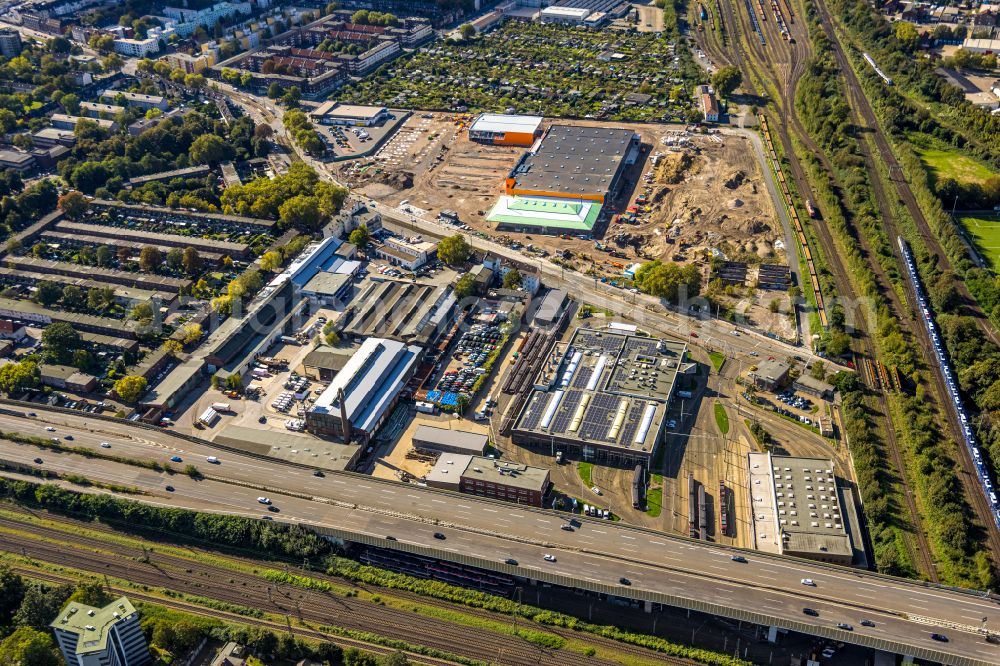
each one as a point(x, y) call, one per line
point(345, 141)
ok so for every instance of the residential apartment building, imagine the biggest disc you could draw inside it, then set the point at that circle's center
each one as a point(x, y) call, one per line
point(109, 636)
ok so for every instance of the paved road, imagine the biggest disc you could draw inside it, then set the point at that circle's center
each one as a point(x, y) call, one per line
point(595, 555)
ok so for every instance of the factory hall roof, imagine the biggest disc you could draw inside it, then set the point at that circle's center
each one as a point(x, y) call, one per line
point(495, 122)
point(575, 161)
point(376, 373)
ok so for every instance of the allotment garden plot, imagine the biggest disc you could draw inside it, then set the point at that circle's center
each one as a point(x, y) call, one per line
point(548, 70)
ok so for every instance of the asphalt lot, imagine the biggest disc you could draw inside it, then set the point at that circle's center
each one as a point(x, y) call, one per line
point(596, 554)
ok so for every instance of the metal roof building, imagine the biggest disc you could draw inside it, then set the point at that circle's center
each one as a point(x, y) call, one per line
point(570, 162)
point(449, 441)
point(602, 397)
point(506, 130)
point(544, 215)
point(363, 394)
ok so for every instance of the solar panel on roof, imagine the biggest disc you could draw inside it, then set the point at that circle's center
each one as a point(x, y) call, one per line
point(566, 411)
point(533, 414)
point(631, 423)
point(583, 376)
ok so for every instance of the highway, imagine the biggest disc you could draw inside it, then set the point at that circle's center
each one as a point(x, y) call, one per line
point(595, 556)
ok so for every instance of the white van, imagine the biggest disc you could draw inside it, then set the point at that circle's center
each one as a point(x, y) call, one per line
point(213, 460)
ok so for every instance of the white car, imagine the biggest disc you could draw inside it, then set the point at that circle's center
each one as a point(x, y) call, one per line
point(597, 491)
point(105, 445)
point(49, 429)
point(808, 581)
point(263, 500)
point(549, 558)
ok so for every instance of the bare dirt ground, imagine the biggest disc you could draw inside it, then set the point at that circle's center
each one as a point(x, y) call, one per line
point(706, 196)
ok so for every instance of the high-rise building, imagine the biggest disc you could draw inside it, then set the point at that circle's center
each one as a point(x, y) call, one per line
point(108, 636)
point(10, 43)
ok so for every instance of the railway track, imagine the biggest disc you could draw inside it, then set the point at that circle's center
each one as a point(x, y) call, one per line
point(301, 632)
point(797, 55)
point(185, 575)
point(864, 116)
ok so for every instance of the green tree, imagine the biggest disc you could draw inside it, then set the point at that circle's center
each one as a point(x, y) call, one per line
point(29, 647)
point(512, 279)
point(300, 211)
point(39, 605)
point(468, 31)
point(71, 103)
point(73, 203)
point(454, 250)
point(191, 333)
point(47, 293)
point(103, 255)
point(907, 35)
point(234, 382)
point(14, 378)
point(72, 297)
point(270, 261)
point(465, 286)
point(210, 149)
point(191, 261)
point(726, 79)
point(130, 388)
point(360, 237)
point(150, 258)
point(12, 589)
point(175, 258)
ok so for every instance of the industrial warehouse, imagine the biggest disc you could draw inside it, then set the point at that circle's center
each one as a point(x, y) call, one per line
point(561, 185)
point(603, 397)
point(505, 130)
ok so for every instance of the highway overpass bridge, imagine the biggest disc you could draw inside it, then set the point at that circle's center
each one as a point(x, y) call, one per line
point(484, 533)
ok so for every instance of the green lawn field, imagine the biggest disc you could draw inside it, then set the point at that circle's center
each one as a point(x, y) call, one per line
point(984, 229)
point(945, 161)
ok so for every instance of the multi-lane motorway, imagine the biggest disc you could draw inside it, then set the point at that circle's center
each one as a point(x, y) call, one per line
point(596, 555)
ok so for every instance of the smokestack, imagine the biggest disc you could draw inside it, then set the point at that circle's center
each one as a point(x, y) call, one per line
point(345, 423)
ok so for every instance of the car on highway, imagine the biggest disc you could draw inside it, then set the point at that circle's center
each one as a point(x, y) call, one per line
point(624, 581)
point(213, 460)
point(567, 527)
point(55, 439)
point(511, 561)
point(267, 517)
point(68, 438)
point(38, 461)
point(49, 429)
point(810, 612)
point(739, 558)
point(753, 353)
point(693, 334)
point(32, 414)
point(844, 626)
point(438, 535)
point(319, 473)
point(808, 581)
point(263, 500)
point(549, 558)
point(105, 445)
point(273, 508)
point(176, 459)
point(169, 489)
point(941, 638)
point(867, 623)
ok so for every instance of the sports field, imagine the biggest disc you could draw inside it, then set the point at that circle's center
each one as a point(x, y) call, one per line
point(984, 229)
point(946, 161)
